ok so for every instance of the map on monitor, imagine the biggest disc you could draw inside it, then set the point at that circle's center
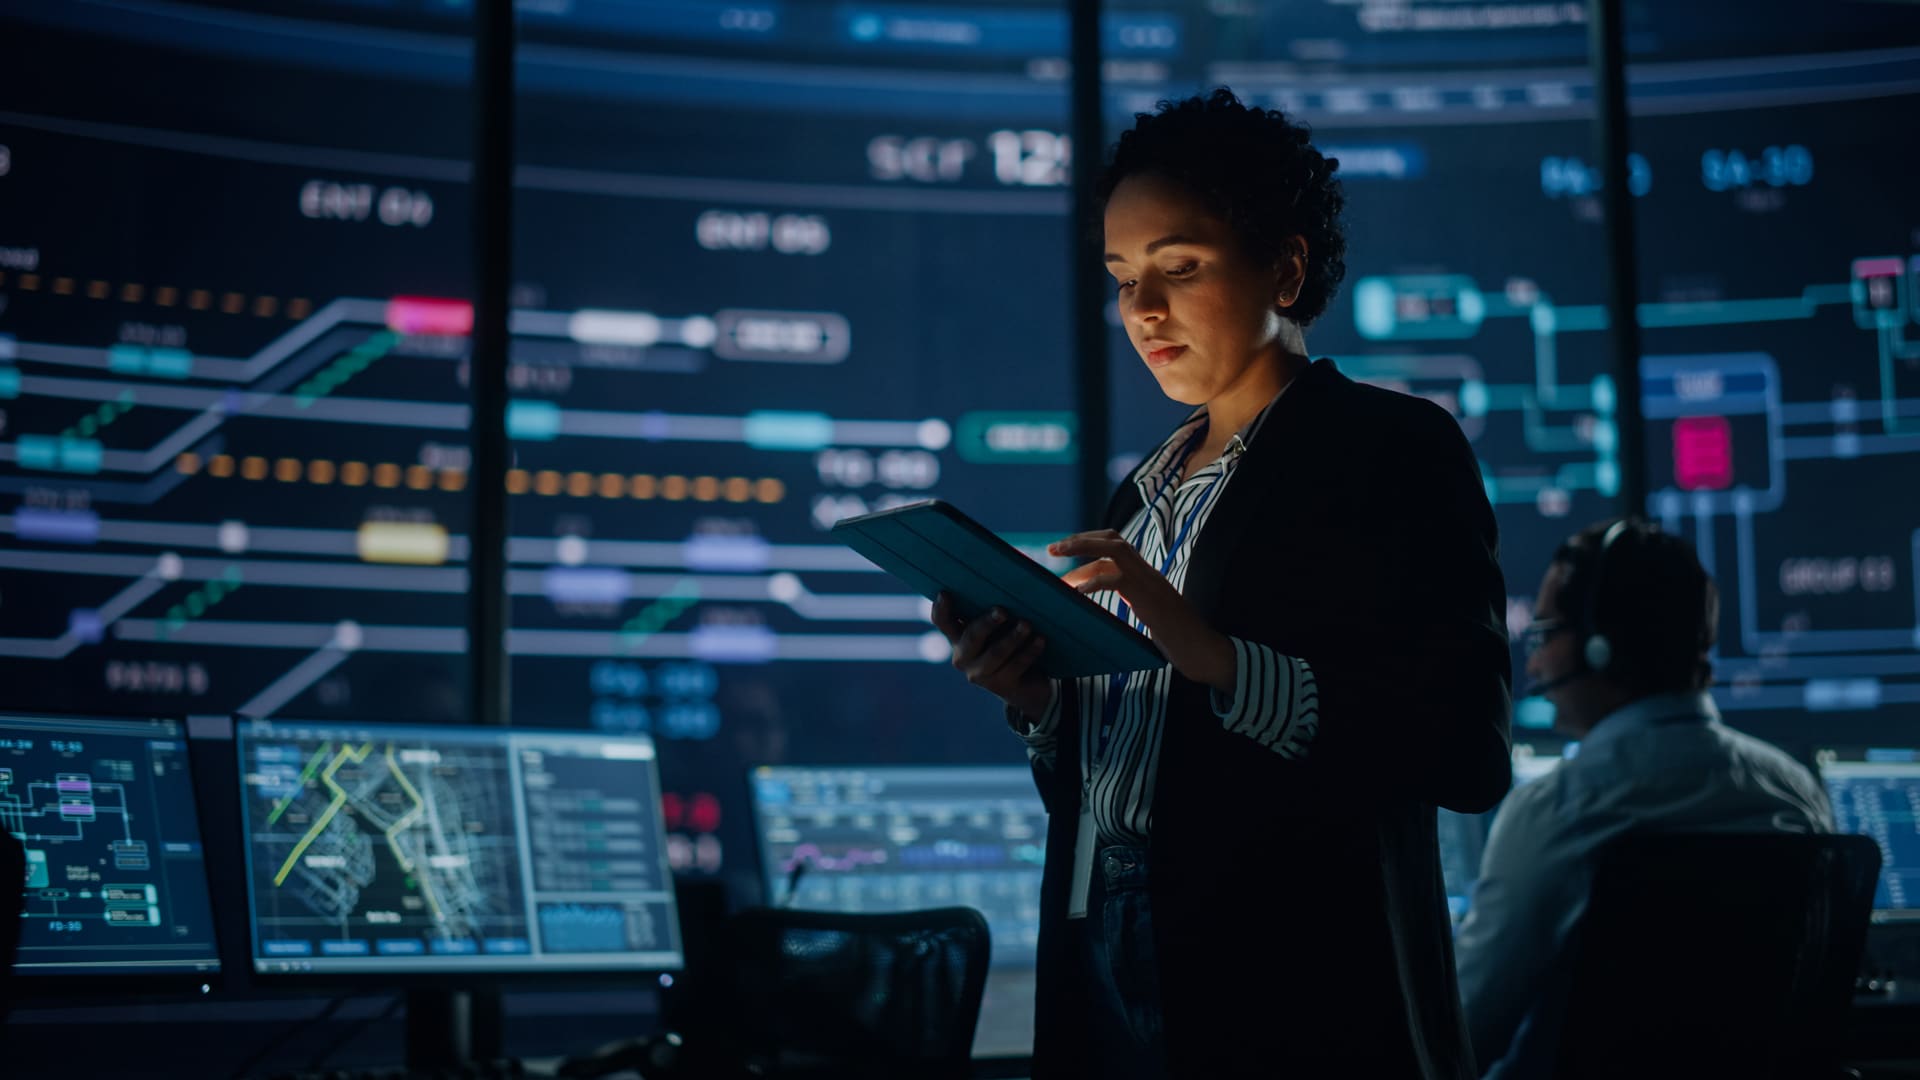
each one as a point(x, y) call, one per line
point(439, 849)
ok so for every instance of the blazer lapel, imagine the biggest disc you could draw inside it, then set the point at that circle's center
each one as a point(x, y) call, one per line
point(1253, 498)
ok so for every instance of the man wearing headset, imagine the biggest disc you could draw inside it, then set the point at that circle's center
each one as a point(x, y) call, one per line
point(1620, 643)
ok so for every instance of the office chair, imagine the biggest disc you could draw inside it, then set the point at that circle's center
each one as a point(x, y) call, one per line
point(13, 900)
point(821, 994)
point(1717, 955)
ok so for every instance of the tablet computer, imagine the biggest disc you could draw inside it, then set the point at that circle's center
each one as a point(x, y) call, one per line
point(932, 547)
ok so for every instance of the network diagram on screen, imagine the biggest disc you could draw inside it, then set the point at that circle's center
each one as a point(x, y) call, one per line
point(115, 881)
point(897, 839)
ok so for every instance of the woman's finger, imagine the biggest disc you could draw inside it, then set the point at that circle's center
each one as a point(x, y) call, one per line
point(1080, 575)
point(988, 667)
point(973, 640)
point(1096, 548)
point(1021, 662)
point(1100, 583)
point(944, 620)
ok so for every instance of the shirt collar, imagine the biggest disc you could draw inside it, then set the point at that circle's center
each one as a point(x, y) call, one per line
point(1161, 467)
point(1651, 711)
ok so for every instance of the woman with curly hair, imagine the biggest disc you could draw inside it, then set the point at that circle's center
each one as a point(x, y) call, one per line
point(1242, 876)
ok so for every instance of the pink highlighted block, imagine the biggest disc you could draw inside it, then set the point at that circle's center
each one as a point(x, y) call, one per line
point(1881, 267)
point(429, 315)
point(1702, 453)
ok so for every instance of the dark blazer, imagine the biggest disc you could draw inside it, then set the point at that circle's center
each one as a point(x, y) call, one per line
point(1299, 915)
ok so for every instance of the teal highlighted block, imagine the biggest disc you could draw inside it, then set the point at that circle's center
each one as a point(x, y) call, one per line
point(37, 452)
point(535, 421)
point(9, 382)
point(57, 452)
point(37, 876)
point(1605, 397)
point(1474, 398)
point(1534, 714)
point(170, 363)
point(789, 430)
point(127, 359)
point(1035, 438)
point(1431, 307)
point(1373, 309)
point(80, 455)
point(1472, 306)
point(1606, 478)
point(1606, 437)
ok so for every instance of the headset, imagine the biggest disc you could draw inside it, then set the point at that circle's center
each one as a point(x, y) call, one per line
point(1596, 652)
point(1596, 649)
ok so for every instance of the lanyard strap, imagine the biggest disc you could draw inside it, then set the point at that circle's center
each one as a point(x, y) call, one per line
point(1117, 682)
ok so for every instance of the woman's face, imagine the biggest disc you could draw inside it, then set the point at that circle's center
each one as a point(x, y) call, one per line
point(1196, 308)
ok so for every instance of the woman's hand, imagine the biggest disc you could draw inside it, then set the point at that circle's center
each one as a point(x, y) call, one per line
point(1195, 649)
point(998, 655)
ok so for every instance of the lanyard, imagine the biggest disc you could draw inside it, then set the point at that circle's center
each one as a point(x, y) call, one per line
point(1117, 682)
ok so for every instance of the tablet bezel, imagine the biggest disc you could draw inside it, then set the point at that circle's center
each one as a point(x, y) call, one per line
point(1098, 632)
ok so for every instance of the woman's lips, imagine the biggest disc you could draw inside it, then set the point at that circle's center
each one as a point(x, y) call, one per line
point(1165, 355)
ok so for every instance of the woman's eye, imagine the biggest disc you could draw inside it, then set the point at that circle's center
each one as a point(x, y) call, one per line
point(1183, 269)
point(1122, 287)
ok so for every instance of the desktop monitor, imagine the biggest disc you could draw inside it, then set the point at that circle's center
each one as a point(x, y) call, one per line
point(1876, 792)
point(899, 838)
point(1463, 837)
point(402, 850)
point(116, 891)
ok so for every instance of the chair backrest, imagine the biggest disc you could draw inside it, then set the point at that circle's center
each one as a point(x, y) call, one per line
point(13, 900)
point(1717, 954)
point(836, 994)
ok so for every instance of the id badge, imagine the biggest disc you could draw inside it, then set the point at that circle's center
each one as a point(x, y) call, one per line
point(1083, 853)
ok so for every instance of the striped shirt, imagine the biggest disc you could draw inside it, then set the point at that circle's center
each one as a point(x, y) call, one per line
point(1274, 702)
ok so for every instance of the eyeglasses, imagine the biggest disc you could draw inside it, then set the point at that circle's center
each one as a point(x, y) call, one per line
point(1536, 633)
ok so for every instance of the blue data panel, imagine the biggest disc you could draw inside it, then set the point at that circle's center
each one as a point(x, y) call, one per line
point(1781, 388)
point(774, 264)
point(410, 849)
point(1876, 793)
point(820, 269)
point(116, 884)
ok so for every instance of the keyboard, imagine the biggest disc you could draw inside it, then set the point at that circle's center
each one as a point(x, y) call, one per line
point(496, 1069)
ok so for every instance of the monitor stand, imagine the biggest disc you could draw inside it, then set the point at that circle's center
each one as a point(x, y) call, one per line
point(449, 1028)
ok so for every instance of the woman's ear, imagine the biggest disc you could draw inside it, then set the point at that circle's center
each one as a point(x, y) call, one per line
point(1291, 272)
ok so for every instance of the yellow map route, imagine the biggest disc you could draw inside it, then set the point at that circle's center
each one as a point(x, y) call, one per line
point(347, 753)
point(406, 819)
point(306, 774)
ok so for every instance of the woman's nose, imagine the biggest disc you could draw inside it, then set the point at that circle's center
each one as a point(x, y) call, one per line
point(1147, 304)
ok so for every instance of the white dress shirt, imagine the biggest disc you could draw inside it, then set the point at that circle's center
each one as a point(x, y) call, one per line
point(1275, 702)
point(1663, 763)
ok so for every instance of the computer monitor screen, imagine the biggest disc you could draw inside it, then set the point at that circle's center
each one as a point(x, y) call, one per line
point(1876, 792)
point(392, 850)
point(1463, 837)
point(116, 882)
point(900, 838)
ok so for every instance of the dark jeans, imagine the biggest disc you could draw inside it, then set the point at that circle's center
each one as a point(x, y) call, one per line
point(1122, 976)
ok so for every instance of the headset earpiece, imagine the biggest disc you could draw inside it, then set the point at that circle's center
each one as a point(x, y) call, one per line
point(1595, 649)
point(1599, 652)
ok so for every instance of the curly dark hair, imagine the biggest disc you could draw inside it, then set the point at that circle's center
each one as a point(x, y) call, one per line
point(1256, 169)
